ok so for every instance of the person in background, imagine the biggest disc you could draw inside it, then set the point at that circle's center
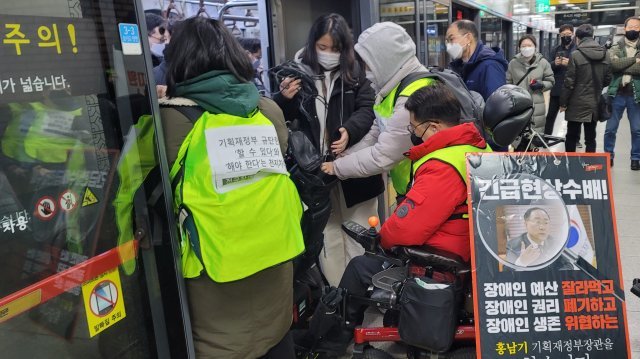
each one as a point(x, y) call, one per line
point(156, 35)
point(254, 51)
point(160, 71)
point(236, 257)
point(532, 72)
point(580, 96)
point(625, 90)
point(338, 118)
point(482, 69)
point(559, 62)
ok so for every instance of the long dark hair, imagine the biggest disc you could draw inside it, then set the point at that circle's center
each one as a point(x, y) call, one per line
point(199, 45)
point(336, 26)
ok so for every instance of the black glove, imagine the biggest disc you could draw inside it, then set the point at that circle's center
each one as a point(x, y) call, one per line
point(535, 86)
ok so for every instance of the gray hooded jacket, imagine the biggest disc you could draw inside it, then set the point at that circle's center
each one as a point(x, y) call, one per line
point(542, 73)
point(389, 53)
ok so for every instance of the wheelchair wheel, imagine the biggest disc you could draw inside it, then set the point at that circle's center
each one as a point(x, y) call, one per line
point(463, 353)
point(375, 353)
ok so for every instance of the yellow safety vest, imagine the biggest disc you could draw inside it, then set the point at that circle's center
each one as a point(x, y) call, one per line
point(235, 233)
point(400, 174)
point(455, 156)
point(51, 137)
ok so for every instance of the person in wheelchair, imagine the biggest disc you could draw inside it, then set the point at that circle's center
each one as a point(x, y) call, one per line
point(434, 212)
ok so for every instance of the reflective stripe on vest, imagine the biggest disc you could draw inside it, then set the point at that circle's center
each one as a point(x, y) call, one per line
point(239, 232)
point(400, 174)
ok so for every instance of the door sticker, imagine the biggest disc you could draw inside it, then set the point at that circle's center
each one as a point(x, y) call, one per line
point(103, 301)
point(46, 208)
point(89, 198)
point(68, 201)
point(130, 39)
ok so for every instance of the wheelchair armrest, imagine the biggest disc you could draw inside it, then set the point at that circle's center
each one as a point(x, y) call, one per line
point(432, 257)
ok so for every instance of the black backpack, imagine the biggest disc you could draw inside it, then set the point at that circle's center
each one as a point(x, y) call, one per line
point(471, 101)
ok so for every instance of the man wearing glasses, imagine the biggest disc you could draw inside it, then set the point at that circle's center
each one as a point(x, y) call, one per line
point(625, 90)
point(482, 69)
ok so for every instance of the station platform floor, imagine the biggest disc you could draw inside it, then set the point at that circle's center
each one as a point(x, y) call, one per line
point(626, 196)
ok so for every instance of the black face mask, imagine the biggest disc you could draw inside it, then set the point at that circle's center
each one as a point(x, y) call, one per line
point(416, 140)
point(632, 35)
point(566, 40)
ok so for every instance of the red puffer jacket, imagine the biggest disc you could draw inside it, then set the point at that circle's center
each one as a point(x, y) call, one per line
point(438, 192)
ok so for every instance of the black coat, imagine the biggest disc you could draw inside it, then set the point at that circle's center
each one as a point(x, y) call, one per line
point(355, 102)
point(578, 93)
point(559, 71)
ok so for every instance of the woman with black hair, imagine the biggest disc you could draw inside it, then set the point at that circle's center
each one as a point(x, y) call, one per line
point(338, 117)
point(237, 210)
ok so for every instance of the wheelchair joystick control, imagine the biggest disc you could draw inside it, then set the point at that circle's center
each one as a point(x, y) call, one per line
point(373, 223)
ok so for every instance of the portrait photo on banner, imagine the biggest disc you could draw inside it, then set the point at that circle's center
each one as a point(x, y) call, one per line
point(535, 235)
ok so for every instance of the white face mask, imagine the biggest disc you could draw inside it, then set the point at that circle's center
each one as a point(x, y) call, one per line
point(527, 51)
point(455, 50)
point(328, 60)
point(158, 49)
point(372, 78)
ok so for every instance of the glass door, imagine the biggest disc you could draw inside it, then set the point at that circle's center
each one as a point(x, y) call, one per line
point(404, 14)
point(78, 276)
point(436, 22)
point(491, 31)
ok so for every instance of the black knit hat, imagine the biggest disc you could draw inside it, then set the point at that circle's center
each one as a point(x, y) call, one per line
point(153, 21)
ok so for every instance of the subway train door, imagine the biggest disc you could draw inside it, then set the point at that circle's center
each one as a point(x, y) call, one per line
point(78, 275)
point(426, 21)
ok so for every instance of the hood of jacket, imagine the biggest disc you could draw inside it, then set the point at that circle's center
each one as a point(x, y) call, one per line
point(220, 92)
point(386, 48)
point(463, 134)
point(592, 50)
point(482, 53)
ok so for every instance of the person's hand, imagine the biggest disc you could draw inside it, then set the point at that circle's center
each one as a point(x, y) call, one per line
point(535, 85)
point(327, 167)
point(528, 255)
point(289, 87)
point(565, 61)
point(558, 61)
point(638, 59)
point(161, 90)
point(563, 108)
point(340, 145)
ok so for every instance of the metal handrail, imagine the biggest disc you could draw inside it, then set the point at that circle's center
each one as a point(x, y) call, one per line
point(249, 3)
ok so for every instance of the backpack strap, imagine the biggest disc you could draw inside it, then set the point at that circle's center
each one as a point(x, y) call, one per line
point(192, 113)
point(408, 80)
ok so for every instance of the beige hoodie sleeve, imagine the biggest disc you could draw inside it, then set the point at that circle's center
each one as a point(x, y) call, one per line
point(384, 154)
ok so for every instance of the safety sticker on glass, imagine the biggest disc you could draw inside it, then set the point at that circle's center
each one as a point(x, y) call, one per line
point(241, 155)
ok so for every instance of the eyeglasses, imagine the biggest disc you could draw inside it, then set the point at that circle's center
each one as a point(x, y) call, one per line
point(632, 27)
point(411, 128)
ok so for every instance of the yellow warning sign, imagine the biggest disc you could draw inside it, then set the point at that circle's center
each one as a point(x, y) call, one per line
point(103, 301)
point(89, 198)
